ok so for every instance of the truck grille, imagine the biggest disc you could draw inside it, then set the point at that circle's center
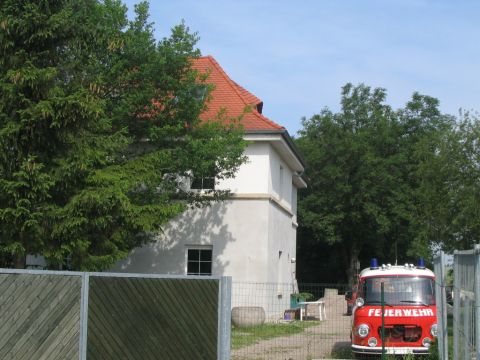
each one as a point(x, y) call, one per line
point(401, 333)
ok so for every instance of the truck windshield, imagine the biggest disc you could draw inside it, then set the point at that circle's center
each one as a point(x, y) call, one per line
point(399, 291)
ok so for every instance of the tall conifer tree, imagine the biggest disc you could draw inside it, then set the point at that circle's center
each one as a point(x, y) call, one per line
point(98, 125)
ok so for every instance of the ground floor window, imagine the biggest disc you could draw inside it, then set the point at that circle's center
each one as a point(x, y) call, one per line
point(199, 260)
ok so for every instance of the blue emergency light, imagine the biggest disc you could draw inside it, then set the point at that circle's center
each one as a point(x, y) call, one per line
point(421, 263)
point(373, 264)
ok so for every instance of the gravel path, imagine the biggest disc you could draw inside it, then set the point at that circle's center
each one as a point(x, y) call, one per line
point(316, 342)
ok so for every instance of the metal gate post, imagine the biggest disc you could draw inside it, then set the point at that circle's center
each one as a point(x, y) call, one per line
point(466, 330)
point(477, 299)
point(440, 297)
point(456, 305)
point(382, 301)
point(84, 316)
point(224, 318)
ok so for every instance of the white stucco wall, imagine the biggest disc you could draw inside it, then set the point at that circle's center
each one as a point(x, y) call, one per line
point(261, 175)
point(253, 177)
point(236, 230)
point(280, 179)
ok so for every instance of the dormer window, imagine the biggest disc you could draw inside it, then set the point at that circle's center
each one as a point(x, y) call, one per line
point(199, 92)
point(260, 107)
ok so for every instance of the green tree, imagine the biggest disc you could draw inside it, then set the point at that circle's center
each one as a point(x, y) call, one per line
point(362, 171)
point(99, 126)
point(449, 190)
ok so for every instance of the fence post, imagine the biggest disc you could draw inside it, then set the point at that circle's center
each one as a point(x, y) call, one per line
point(456, 304)
point(477, 299)
point(224, 318)
point(440, 297)
point(84, 316)
point(466, 330)
point(382, 301)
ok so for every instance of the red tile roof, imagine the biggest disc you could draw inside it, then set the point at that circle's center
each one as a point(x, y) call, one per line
point(230, 96)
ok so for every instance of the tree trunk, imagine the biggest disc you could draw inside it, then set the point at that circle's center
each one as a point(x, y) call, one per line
point(19, 262)
point(352, 266)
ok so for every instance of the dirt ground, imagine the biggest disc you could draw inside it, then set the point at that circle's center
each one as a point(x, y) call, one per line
point(316, 342)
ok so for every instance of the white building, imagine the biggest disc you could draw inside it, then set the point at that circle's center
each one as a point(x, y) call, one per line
point(252, 236)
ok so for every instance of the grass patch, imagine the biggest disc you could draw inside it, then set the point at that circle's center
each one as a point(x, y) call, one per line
point(245, 336)
point(342, 353)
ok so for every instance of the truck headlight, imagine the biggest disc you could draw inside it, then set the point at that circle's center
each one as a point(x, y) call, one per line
point(427, 342)
point(434, 330)
point(372, 342)
point(363, 330)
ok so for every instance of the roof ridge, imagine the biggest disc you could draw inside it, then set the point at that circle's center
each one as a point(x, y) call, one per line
point(232, 83)
point(247, 93)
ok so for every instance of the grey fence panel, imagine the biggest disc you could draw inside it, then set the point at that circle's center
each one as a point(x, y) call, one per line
point(40, 316)
point(72, 315)
point(152, 318)
point(465, 314)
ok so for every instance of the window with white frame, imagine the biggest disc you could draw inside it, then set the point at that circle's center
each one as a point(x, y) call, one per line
point(205, 181)
point(199, 260)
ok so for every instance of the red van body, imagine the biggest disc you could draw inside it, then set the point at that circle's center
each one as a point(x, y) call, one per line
point(410, 315)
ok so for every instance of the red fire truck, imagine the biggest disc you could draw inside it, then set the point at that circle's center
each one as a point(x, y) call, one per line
point(409, 315)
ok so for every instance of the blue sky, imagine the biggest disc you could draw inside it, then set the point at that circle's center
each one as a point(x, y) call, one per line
point(296, 55)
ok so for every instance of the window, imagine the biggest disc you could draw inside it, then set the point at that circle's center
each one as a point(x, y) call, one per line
point(280, 190)
point(199, 261)
point(405, 290)
point(199, 92)
point(203, 183)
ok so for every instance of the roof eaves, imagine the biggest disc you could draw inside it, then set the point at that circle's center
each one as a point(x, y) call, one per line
point(286, 136)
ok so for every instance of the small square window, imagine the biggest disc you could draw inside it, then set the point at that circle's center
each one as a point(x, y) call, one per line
point(204, 180)
point(203, 183)
point(199, 261)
